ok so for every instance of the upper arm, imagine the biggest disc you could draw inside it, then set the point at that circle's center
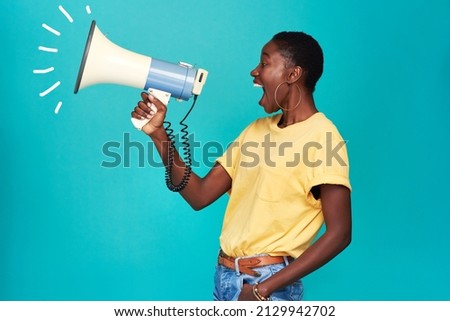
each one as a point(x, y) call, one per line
point(336, 207)
point(200, 192)
point(216, 182)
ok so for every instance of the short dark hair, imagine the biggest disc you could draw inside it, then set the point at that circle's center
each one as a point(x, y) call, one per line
point(302, 50)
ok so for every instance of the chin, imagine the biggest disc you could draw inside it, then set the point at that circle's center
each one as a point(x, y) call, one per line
point(267, 107)
point(270, 110)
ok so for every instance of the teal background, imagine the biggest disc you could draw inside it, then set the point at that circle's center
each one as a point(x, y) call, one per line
point(71, 229)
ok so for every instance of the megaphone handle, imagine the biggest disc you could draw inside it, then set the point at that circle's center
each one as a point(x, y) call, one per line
point(162, 96)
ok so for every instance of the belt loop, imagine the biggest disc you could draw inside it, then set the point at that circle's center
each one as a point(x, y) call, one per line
point(236, 266)
point(286, 261)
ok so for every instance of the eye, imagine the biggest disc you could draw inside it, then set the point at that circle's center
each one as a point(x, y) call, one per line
point(262, 64)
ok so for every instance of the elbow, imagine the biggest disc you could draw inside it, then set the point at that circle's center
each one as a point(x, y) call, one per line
point(341, 239)
point(195, 202)
point(200, 203)
point(346, 239)
point(198, 206)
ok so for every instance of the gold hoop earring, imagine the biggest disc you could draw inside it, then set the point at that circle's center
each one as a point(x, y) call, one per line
point(276, 101)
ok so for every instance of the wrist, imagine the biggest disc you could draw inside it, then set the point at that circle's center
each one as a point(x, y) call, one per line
point(158, 133)
point(260, 292)
point(264, 289)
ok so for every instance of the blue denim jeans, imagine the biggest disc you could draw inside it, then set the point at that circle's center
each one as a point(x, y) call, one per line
point(228, 284)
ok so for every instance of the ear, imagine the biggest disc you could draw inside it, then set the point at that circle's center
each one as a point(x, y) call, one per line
point(295, 74)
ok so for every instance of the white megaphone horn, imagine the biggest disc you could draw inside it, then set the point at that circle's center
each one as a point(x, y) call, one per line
point(105, 62)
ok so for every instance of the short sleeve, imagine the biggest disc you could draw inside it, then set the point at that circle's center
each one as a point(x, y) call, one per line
point(230, 159)
point(327, 162)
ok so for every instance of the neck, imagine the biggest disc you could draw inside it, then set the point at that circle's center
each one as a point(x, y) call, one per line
point(306, 109)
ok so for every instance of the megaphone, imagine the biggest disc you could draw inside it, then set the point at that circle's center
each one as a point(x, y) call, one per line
point(105, 62)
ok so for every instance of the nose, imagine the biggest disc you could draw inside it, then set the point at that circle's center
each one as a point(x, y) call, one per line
point(254, 72)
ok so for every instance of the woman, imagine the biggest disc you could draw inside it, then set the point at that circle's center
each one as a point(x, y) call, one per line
point(286, 175)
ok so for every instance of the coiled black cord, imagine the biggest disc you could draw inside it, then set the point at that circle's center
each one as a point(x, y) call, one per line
point(186, 153)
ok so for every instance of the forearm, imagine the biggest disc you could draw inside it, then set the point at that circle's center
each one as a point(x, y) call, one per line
point(162, 144)
point(336, 208)
point(322, 251)
point(199, 192)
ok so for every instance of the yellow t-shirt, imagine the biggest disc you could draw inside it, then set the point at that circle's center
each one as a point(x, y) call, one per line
point(271, 208)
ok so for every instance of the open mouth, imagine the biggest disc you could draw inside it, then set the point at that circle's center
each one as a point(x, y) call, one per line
point(261, 101)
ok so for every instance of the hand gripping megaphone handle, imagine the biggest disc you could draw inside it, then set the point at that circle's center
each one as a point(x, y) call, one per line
point(161, 96)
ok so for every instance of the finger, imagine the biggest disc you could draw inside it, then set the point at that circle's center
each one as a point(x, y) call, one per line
point(143, 111)
point(153, 108)
point(150, 104)
point(144, 96)
point(157, 103)
point(137, 116)
point(148, 108)
point(144, 106)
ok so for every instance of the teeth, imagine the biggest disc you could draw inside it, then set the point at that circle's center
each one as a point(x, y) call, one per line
point(257, 85)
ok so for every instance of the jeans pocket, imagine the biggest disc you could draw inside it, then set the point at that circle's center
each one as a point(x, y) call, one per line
point(293, 292)
point(227, 285)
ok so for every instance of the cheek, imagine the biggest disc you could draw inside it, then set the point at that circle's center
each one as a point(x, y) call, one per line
point(272, 78)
